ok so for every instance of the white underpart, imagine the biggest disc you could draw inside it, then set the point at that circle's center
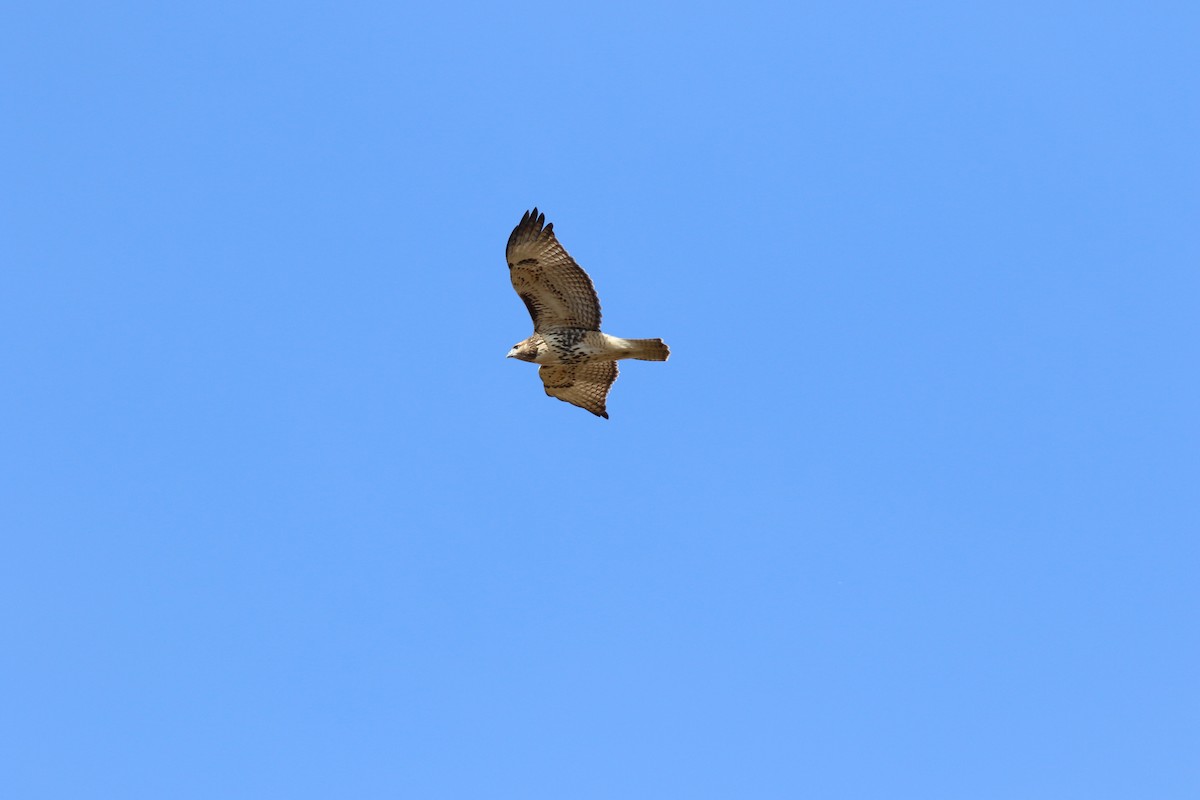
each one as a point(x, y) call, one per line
point(598, 350)
point(612, 347)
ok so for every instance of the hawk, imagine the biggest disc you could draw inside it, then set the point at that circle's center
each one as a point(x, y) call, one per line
point(578, 362)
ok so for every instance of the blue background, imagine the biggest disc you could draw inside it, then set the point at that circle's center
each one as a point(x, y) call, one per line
point(911, 512)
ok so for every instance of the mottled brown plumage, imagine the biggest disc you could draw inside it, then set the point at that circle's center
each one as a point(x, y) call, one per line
point(556, 290)
point(578, 361)
point(585, 385)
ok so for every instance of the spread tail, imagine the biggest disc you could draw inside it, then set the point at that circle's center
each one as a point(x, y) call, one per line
point(648, 349)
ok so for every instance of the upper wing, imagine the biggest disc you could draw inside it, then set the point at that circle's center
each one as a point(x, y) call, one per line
point(556, 290)
point(585, 385)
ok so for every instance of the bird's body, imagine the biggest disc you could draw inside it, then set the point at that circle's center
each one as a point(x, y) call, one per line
point(574, 347)
point(578, 361)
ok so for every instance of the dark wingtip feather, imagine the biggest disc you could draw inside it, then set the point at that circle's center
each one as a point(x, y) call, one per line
point(527, 229)
point(531, 227)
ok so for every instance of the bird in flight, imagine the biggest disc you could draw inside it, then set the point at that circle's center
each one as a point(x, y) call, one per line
point(578, 363)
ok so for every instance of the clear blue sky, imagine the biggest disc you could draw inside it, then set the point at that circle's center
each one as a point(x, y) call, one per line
point(912, 511)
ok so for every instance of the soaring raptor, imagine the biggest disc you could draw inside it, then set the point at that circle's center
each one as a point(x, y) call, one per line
point(578, 362)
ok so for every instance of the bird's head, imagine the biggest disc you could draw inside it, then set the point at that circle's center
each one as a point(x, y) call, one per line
point(525, 351)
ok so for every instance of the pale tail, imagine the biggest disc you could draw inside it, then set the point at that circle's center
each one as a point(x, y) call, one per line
point(648, 349)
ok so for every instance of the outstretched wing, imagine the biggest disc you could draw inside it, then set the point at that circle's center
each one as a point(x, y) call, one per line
point(556, 290)
point(585, 385)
